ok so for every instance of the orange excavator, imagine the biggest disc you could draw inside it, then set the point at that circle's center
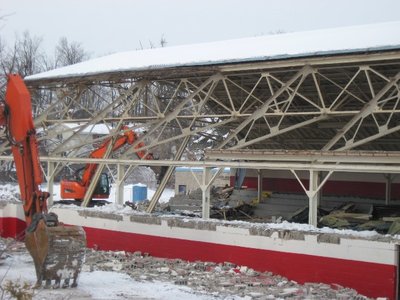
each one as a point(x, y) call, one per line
point(76, 189)
point(58, 251)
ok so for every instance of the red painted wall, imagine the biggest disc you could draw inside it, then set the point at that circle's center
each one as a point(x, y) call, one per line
point(12, 228)
point(370, 279)
point(331, 188)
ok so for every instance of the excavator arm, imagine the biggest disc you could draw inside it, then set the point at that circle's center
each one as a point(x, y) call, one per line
point(57, 250)
point(128, 137)
point(76, 189)
point(16, 115)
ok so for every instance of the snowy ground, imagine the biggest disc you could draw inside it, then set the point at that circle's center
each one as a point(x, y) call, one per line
point(17, 266)
point(120, 275)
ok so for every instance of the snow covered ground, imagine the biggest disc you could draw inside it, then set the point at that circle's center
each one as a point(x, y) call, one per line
point(17, 266)
point(119, 275)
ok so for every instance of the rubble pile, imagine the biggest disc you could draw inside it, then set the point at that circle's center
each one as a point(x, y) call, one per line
point(190, 202)
point(384, 219)
point(226, 203)
point(222, 280)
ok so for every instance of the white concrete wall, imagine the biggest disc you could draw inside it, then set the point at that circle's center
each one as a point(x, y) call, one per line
point(186, 177)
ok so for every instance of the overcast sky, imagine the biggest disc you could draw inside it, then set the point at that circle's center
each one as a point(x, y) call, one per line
point(108, 26)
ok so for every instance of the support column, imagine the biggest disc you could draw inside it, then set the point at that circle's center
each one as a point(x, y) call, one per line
point(259, 185)
point(119, 197)
point(313, 199)
point(388, 188)
point(313, 193)
point(205, 188)
point(167, 176)
point(50, 182)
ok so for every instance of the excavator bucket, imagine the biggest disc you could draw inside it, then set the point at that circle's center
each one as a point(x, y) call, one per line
point(58, 253)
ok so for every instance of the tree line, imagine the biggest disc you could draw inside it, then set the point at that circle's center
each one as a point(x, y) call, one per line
point(26, 55)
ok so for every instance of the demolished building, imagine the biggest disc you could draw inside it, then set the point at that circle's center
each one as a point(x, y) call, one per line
point(312, 113)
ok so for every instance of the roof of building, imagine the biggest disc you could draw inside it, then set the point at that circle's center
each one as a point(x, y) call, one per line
point(345, 40)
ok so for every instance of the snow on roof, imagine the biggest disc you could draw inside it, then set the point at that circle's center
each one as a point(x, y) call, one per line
point(91, 129)
point(373, 37)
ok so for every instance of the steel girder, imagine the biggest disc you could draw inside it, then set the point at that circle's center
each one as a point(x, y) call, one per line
point(330, 108)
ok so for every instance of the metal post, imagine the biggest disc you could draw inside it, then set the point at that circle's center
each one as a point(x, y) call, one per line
point(259, 186)
point(50, 182)
point(313, 198)
point(119, 197)
point(388, 186)
point(206, 193)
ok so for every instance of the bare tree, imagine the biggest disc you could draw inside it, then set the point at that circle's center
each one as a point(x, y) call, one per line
point(162, 43)
point(3, 80)
point(69, 53)
point(25, 57)
point(3, 18)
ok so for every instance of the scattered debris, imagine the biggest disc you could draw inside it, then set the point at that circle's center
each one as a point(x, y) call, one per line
point(382, 219)
point(222, 279)
point(301, 215)
point(385, 211)
point(228, 203)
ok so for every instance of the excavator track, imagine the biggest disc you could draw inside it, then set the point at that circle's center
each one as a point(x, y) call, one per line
point(58, 253)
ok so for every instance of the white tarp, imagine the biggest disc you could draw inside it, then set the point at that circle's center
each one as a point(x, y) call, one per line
point(353, 39)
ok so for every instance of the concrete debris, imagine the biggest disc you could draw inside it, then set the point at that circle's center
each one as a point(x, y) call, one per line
point(226, 203)
point(351, 219)
point(348, 216)
point(222, 279)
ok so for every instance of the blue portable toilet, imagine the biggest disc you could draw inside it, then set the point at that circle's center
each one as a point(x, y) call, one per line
point(139, 192)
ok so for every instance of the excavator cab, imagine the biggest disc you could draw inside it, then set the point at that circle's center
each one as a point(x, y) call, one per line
point(103, 186)
point(74, 189)
point(77, 187)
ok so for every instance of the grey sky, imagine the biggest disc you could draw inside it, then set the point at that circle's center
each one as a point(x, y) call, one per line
point(106, 26)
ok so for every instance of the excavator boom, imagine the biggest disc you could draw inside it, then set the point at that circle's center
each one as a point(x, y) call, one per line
point(57, 250)
point(76, 189)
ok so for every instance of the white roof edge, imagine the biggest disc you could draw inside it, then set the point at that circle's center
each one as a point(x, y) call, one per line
point(362, 38)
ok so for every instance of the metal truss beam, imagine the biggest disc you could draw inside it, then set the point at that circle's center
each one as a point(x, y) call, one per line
point(362, 157)
point(326, 167)
point(371, 107)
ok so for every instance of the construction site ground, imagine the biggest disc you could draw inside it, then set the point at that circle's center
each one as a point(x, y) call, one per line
point(121, 275)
